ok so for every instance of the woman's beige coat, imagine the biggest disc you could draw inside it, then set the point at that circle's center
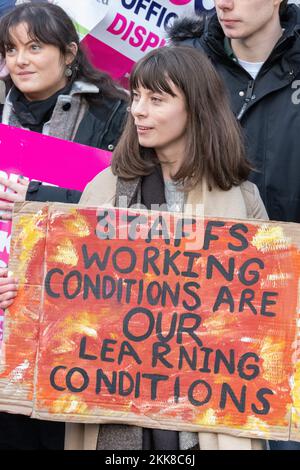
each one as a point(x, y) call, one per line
point(242, 202)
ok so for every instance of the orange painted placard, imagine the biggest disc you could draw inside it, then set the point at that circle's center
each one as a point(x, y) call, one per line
point(120, 317)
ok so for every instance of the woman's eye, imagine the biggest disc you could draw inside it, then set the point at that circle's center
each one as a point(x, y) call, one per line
point(35, 47)
point(10, 50)
point(156, 99)
point(135, 96)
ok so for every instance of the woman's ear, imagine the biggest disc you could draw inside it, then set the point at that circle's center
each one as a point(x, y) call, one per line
point(72, 53)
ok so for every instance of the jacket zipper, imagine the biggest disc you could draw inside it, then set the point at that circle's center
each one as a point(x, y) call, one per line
point(248, 98)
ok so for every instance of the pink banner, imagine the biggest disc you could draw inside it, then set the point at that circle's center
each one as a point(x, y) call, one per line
point(108, 59)
point(49, 159)
point(46, 159)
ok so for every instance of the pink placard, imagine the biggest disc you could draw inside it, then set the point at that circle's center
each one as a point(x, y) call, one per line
point(47, 159)
point(108, 59)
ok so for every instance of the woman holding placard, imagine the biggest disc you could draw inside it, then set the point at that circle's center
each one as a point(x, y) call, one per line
point(181, 148)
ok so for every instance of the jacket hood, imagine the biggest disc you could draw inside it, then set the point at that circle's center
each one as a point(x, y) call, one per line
point(188, 27)
point(290, 20)
point(208, 25)
point(80, 87)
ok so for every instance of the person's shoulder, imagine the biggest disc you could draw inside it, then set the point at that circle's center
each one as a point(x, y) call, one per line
point(253, 201)
point(105, 177)
point(101, 190)
point(249, 188)
point(104, 174)
point(250, 192)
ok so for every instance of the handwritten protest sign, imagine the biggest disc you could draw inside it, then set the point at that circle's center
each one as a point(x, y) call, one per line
point(47, 159)
point(153, 319)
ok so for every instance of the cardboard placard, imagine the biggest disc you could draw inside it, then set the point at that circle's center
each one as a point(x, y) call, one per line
point(116, 323)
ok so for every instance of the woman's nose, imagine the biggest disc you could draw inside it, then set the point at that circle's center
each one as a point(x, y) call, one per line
point(22, 57)
point(139, 108)
point(224, 4)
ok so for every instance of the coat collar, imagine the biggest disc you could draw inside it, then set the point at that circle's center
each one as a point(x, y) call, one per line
point(79, 88)
point(200, 200)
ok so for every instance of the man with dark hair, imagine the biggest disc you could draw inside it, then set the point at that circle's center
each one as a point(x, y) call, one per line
point(255, 46)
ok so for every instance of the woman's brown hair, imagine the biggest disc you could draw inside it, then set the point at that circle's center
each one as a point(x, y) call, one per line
point(214, 147)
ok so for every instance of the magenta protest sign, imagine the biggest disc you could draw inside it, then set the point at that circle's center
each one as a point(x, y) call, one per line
point(51, 160)
point(47, 159)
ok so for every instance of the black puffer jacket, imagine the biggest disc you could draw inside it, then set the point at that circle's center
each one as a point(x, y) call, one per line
point(268, 107)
